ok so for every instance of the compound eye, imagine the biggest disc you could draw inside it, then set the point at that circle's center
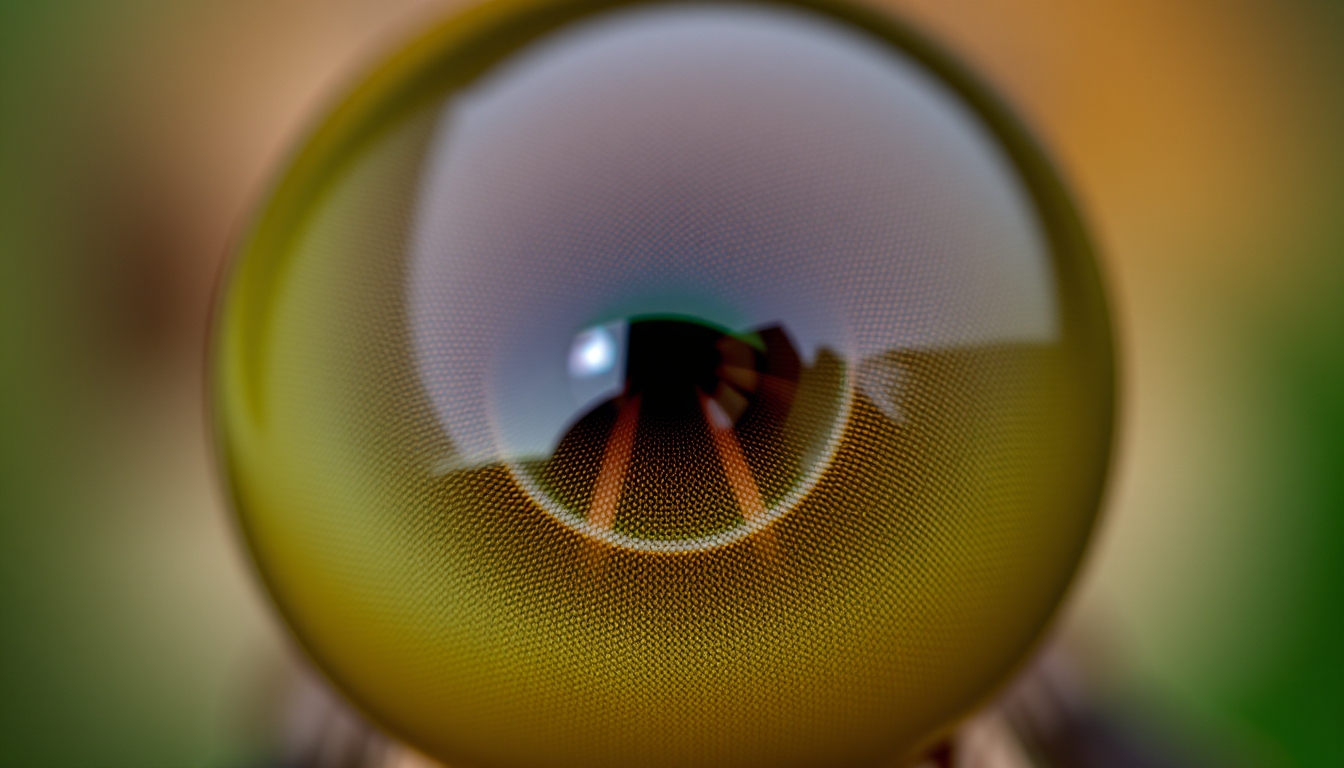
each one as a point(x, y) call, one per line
point(666, 384)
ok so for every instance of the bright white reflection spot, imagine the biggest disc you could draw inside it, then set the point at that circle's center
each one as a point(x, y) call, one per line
point(593, 353)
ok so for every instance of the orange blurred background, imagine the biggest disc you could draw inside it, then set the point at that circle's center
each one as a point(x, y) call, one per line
point(1203, 141)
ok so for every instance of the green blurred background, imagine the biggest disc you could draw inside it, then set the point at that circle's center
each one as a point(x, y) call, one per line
point(1205, 141)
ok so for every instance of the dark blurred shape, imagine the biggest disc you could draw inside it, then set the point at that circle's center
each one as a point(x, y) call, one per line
point(1060, 727)
point(697, 402)
point(321, 730)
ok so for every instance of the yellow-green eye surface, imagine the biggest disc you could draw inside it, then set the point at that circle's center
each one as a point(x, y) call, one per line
point(666, 384)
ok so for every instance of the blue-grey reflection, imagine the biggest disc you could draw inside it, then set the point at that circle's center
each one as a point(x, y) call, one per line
point(790, 174)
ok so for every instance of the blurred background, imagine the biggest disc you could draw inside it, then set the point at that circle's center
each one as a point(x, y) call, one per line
point(1203, 140)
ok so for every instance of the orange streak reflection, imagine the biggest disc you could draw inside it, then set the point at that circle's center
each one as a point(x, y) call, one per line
point(734, 462)
point(615, 460)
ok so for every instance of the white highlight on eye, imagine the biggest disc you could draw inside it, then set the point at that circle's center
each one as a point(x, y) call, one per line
point(592, 353)
point(718, 418)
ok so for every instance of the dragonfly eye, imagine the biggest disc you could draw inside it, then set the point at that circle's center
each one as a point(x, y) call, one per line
point(666, 383)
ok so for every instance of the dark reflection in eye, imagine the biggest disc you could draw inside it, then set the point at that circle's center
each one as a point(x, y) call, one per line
point(696, 402)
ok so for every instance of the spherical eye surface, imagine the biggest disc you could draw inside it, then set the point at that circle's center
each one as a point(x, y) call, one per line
point(666, 384)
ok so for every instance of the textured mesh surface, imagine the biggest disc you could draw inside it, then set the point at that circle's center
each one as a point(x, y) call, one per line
point(820, 497)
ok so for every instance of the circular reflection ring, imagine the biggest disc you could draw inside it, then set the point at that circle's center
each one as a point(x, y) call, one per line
point(750, 525)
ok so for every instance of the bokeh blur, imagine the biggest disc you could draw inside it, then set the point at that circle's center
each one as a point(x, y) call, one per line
point(1202, 140)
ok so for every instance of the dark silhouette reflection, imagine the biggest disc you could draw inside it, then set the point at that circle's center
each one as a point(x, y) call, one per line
point(699, 440)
